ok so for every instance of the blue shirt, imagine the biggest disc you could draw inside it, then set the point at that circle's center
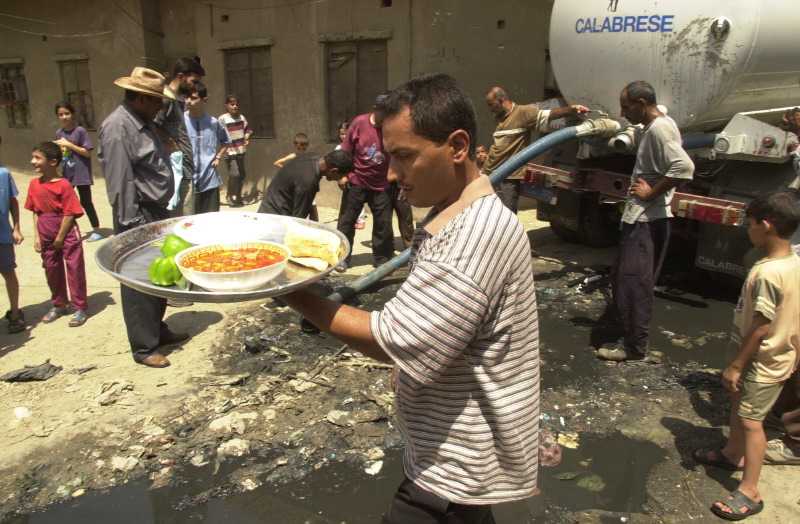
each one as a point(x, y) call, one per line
point(205, 134)
point(8, 190)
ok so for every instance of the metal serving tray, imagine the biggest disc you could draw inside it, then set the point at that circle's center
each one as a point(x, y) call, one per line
point(127, 257)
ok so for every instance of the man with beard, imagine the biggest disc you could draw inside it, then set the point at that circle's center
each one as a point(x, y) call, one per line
point(171, 127)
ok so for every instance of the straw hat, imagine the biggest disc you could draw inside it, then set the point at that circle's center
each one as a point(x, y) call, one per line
point(146, 81)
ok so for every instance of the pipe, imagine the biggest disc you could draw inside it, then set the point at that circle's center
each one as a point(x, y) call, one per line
point(344, 293)
point(688, 142)
point(508, 167)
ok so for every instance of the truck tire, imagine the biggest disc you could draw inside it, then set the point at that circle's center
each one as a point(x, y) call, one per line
point(564, 233)
point(596, 227)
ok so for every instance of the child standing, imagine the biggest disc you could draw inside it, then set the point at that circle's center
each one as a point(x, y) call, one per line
point(9, 237)
point(56, 235)
point(239, 134)
point(76, 157)
point(209, 142)
point(300, 147)
point(766, 334)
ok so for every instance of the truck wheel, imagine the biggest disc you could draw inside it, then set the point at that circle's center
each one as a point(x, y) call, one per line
point(564, 233)
point(597, 227)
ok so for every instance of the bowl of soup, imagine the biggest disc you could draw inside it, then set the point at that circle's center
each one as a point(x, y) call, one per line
point(239, 266)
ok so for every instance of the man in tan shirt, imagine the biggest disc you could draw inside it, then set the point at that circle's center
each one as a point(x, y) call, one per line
point(512, 134)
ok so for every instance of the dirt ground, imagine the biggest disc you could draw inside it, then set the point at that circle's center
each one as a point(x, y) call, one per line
point(248, 381)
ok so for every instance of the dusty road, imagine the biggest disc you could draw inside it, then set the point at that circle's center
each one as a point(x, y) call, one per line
point(88, 429)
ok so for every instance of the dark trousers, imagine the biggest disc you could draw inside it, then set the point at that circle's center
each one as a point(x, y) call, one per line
point(206, 201)
point(788, 407)
point(642, 247)
point(85, 196)
point(143, 313)
point(405, 216)
point(508, 192)
point(64, 268)
point(380, 203)
point(236, 176)
point(414, 504)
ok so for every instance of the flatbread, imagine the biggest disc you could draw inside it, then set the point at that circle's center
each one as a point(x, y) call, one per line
point(309, 242)
point(313, 263)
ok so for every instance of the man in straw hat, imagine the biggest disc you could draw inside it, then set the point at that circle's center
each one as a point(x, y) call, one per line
point(139, 183)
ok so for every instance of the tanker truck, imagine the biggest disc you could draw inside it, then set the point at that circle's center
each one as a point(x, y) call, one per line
point(725, 71)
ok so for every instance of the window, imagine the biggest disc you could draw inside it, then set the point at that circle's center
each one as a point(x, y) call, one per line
point(357, 73)
point(248, 75)
point(77, 90)
point(14, 94)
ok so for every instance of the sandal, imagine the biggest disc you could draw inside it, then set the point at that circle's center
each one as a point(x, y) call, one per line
point(721, 461)
point(54, 314)
point(94, 237)
point(738, 500)
point(15, 325)
point(79, 319)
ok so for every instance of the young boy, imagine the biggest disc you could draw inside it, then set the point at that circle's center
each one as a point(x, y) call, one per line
point(480, 155)
point(55, 208)
point(766, 334)
point(239, 133)
point(9, 237)
point(300, 147)
point(209, 142)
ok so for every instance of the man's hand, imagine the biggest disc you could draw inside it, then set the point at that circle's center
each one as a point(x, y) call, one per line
point(342, 182)
point(641, 189)
point(58, 244)
point(579, 110)
point(791, 121)
point(18, 238)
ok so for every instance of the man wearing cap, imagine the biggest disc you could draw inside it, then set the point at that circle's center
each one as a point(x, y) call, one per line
point(369, 184)
point(139, 182)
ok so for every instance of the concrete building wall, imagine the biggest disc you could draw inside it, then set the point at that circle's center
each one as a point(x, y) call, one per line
point(481, 43)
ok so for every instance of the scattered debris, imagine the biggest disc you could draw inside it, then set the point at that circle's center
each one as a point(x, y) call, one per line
point(43, 371)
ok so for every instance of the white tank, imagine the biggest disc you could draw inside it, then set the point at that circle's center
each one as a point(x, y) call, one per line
point(706, 59)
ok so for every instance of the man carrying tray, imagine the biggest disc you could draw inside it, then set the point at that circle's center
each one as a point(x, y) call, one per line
point(462, 330)
point(139, 182)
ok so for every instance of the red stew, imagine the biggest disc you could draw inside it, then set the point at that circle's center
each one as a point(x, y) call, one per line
point(230, 260)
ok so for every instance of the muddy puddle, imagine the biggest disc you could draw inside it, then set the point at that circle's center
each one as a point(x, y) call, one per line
point(604, 446)
point(606, 473)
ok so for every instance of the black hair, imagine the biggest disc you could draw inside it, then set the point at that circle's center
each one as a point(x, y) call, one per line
point(641, 90)
point(230, 98)
point(438, 106)
point(340, 159)
point(65, 105)
point(780, 208)
point(201, 90)
point(188, 66)
point(49, 150)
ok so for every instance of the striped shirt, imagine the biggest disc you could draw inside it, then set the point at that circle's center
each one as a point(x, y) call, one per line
point(463, 331)
point(237, 128)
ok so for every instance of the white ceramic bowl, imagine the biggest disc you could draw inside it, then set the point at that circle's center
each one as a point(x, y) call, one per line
point(232, 281)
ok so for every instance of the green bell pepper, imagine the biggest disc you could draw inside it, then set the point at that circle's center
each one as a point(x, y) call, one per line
point(164, 271)
point(173, 245)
